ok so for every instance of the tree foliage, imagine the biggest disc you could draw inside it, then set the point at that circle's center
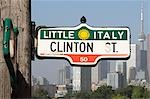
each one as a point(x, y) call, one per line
point(40, 94)
point(118, 96)
point(102, 92)
point(106, 92)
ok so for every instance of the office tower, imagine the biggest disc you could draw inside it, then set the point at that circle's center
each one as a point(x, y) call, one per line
point(42, 81)
point(132, 73)
point(82, 79)
point(64, 75)
point(115, 80)
point(117, 66)
point(111, 66)
point(134, 60)
point(102, 69)
point(148, 56)
point(143, 63)
point(67, 75)
point(121, 67)
point(76, 79)
point(94, 74)
point(140, 75)
point(85, 79)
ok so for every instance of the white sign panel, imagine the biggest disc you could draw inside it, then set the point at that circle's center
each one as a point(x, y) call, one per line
point(84, 45)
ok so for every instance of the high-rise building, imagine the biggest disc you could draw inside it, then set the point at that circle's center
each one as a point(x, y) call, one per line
point(111, 66)
point(134, 60)
point(68, 74)
point(42, 81)
point(143, 63)
point(148, 56)
point(85, 79)
point(76, 79)
point(121, 67)
point(115, 80)
point(102, 69)
point(94, 74)
point(82, 79)
point(140, 75)
point(132, 73)
point(64, 75)
point(117, 66)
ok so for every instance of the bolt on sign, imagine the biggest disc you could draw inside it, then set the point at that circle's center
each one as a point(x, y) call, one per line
point(83, 44)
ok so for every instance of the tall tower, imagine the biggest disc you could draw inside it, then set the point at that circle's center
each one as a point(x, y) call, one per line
point(141, 35)
point(143, 52)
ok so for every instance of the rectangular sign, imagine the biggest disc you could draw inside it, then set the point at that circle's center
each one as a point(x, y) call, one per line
point(84, 45)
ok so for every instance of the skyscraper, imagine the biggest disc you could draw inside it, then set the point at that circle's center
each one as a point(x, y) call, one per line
point(140, 75)
point(65, 75)
point(85, 79)
point(111, 66)
point(76, 79)
point(121, 67)
point(42, 81)
point(114, 79)
point(132, 73)
point(117, 73)
point(62, 76)
point(134, 60)
point(102, 69)
point(94, 74)
point(68, 74)
point(143, 62)
point(82, 79)
point(148, 56)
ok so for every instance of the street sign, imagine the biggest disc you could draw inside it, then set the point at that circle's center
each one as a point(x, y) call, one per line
point(83, 44)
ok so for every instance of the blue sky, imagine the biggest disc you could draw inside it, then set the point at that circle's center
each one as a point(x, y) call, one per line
point(97, 12)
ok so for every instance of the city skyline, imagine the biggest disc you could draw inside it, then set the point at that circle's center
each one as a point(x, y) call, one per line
point(128, 15)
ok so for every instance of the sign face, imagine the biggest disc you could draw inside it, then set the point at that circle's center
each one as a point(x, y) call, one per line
point(83, 44)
